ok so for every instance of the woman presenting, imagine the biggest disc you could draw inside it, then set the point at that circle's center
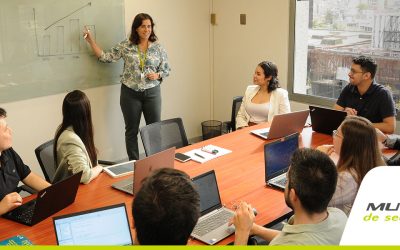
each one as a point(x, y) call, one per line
point(145, 67)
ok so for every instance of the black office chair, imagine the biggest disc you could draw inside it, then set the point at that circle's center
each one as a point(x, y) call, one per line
point(162, 135)
point(231, 125)
point(45, 156)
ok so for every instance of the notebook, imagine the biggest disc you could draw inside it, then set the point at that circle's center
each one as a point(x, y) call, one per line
point(283, 125)
point(48, 201)
point(277, 159)
point(163, 159)
point(324, 120)
point(102, 226)
point(212, 226)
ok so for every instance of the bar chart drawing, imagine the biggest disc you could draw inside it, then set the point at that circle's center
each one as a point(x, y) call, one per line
point(63, 36)
point(42, 49)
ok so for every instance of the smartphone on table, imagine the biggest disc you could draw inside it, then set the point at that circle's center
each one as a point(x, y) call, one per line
point(181, 157)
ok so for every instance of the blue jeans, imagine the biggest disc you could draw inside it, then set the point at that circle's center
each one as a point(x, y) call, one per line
point(133, 103)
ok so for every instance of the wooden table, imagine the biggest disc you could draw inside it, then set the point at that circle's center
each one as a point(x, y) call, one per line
point(240, 177)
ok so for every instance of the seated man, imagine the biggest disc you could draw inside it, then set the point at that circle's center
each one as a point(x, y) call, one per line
point(13, 170)
point(311, 183)
point(364, 97)
point(166, 208)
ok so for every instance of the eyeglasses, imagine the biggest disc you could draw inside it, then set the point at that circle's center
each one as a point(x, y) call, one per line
point(353, 72)
point(336, 133)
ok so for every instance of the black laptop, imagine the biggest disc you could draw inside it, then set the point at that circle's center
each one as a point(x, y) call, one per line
point(324, 120)
point(48, 201)
point(277, 156)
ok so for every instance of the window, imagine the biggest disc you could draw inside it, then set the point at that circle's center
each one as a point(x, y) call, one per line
point(326, 34)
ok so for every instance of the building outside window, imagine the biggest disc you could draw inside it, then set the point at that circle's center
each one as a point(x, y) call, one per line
point(326, 34)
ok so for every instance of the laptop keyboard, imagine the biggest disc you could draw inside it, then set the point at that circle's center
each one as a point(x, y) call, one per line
point(129, 187)
point(281, 182)
point(212, 222)
point(24, 214)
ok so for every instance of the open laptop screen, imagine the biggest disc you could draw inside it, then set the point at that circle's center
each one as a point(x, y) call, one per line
point(277, 155)
point(207, 187)
point(102, 226)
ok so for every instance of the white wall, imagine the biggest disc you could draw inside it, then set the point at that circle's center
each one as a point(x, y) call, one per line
point(239, 48)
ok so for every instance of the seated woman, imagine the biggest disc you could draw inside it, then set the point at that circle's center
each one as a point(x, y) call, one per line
point(355, 141)
point(74, 148)
point(264, 99)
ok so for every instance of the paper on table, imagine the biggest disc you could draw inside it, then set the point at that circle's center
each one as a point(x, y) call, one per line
point(201, 156)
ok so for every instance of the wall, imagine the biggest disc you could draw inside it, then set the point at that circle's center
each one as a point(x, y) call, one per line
point(184, 30)
point(239, 48)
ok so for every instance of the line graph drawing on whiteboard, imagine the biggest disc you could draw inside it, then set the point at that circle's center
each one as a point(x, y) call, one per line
point(42, 49)
point(63, 36)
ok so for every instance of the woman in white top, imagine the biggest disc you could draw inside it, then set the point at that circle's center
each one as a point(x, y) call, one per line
point(264, 99)
point(355, 141)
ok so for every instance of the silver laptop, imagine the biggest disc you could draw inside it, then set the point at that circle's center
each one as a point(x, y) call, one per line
point(163, 159)
point(102, 226)
point(212, 226)
point(277, 160)
point(283, 125)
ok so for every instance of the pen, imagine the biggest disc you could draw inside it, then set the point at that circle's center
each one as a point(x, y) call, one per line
point(199, 155)
point(88, 30)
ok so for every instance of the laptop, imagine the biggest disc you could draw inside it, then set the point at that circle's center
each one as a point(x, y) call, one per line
point(107, 226)
point(277, 160)
point(212, 226)
point(283, 125)
point(48, 201)
point(163, 159)
point(324, 120)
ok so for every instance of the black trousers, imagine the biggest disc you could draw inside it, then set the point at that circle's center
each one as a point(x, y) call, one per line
point(133, 104)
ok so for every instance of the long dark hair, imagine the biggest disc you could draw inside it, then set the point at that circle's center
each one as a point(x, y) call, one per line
point(77, 113)
point(137, 21)
point(359, 151)
point(270, 69)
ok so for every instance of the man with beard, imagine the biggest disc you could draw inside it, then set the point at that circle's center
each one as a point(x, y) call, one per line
point(363, 96)
point(311, 183)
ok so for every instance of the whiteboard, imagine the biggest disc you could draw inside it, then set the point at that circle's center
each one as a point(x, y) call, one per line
point(42, 51)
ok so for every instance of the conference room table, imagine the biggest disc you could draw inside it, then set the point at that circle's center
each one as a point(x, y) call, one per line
point(240, 176)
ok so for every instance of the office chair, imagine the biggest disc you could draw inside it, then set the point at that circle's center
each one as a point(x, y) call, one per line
point(45, 156)
point(162, 135)
point(231, 125)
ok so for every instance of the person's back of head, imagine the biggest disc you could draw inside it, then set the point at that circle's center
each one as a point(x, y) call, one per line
point(77, 113)
point(313, 176)
point(166, 208)
point(367, 64)
point(359, 148)
point(3, 113)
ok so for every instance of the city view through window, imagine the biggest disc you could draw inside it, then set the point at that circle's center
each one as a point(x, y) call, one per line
point(328, 33)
